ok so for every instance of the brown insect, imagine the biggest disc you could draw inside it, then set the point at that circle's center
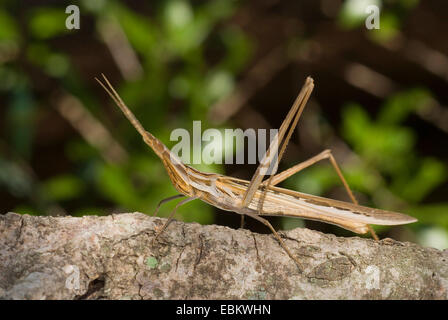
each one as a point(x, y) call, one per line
point(259, 198)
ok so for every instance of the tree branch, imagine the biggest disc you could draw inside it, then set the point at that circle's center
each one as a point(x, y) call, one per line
point(112, 257)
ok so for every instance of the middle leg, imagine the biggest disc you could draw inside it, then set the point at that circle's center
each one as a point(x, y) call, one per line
point(170, 218)
point(165, 201)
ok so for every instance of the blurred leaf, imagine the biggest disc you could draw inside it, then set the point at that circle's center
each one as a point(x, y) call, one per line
point(9, 30)
point(389, 28)
point(179, 87)
point(177, 14)
point(385, 146)
point(115, 184)
point(141, 34)
point(353, 12)
point(313, 180)
point(196, 211)
point(430, 174)
point(361, 178)
point(355, 120)
point(186, 28)
point(292, 223)
point(216, 10)
point(239, 48)
point(47, 22)
point(23, 209)
point(219, 84)
point(94, 6)
point(183, 31)
point(63, 187)
point(37, 52)
point(149, 170)
point(431, 214)
point(398, 107)
point(57, 65)
point(53, 63)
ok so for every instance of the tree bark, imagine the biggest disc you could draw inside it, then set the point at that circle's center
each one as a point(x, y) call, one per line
point(113, 257)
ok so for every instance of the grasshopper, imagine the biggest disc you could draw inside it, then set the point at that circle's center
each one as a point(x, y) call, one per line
point(258, 198)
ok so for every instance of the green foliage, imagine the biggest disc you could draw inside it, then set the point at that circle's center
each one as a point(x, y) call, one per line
point(382, 144)
point(431, 214)
point(116, 185)
point(47, 22)
point(389, 145)
point(9, 30)
point(174, 35)
point(353, 15)
point(390, 27)
point(63, 187)
point(429, 174)
point(52, 63)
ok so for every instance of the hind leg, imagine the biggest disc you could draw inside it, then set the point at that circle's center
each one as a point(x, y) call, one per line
point(326, 154)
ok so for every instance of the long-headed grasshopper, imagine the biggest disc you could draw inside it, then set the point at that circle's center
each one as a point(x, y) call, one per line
point(256, 198)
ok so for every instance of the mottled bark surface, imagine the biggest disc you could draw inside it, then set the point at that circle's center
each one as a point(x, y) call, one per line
point(113, 258)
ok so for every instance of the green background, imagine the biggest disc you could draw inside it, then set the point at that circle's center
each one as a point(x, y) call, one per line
point(379, 103)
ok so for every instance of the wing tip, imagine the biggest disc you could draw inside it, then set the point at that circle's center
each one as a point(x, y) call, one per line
point(403, 219)
point(411, 220)
point(309, 80)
